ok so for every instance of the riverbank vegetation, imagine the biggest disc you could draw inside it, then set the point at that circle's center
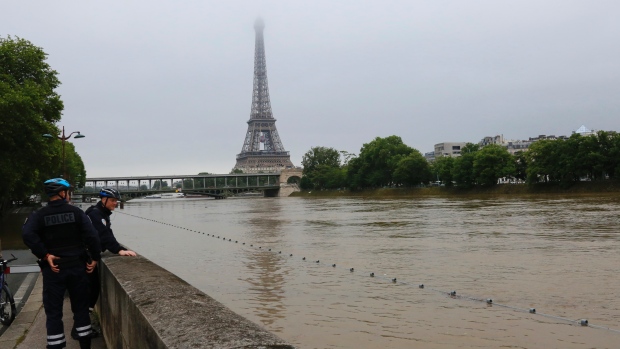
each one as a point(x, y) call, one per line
point(547, 165)
point(29, 108)
point(609, 187)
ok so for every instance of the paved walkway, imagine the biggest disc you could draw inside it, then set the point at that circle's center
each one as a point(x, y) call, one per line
point(28, 329)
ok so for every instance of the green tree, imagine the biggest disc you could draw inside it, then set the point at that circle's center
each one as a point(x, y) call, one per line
point(520, 164)
point(491, 163)
point(321, 169)
point(236, 170)
point(613, 156)
point(463, 169)
point(442, 169)
point(73, 163)
point(412, 170)
point(539, 159)
point(375, 165)
point(29, 107)
point(553, 161)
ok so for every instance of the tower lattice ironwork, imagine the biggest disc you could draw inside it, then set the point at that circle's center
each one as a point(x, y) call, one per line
point(262, 149)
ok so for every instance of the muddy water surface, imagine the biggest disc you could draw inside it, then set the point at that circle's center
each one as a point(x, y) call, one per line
point(560, 255)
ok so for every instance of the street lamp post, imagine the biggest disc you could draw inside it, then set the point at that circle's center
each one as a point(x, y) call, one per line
point(63, 138)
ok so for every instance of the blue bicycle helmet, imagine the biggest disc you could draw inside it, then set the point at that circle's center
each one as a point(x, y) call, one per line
point(56, 185)
point(109, 193)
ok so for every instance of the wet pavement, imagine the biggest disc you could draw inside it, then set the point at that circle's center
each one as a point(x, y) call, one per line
point(28, 329)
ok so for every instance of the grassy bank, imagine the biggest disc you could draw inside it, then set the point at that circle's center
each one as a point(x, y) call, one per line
point(581, 188)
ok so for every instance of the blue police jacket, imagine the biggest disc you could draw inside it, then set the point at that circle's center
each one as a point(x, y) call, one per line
point(62, 230)
point(101, 220)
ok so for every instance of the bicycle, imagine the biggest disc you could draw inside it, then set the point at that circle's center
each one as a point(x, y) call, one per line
point(7, 303)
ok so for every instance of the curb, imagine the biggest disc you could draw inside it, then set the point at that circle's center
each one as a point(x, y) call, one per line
point(25, 318)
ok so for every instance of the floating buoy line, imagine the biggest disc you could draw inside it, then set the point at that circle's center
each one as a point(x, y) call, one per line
point(452, 294)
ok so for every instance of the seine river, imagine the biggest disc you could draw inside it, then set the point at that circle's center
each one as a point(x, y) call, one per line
point(559, 255)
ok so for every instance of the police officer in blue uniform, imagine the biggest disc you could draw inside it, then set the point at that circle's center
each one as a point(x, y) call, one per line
point(100, 216)
point(58, 234)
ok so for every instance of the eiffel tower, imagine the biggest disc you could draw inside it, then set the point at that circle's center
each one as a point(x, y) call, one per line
point(262, 149)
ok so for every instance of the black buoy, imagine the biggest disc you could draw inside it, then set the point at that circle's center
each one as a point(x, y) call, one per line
point(269, 249)
point(394, 280)
point(421, 286)
point(453, 293)
point(317, 261)
point(334, 265)
point(583, 322)
point(279, 252)
point(489, 301)
point(372, 274)
point(532, 310)
point(291, 255)
point(351, 270)
point(303, 259)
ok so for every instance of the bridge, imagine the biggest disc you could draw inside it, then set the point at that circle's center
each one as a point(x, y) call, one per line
point(216, 185)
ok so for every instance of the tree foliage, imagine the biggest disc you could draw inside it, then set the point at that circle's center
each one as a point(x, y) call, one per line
point(389, 162)
point(565, 161)
point(29, 108)
point(491, 163)
point(377, 162)
point(322, 169)
point(412, 170)
point(463, 169)
point(442, 170)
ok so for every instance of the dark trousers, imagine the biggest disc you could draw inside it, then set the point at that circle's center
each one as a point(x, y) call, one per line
point(75, 281)
point(94, 285)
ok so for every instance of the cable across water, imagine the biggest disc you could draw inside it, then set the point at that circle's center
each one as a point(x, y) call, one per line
point(452, 294)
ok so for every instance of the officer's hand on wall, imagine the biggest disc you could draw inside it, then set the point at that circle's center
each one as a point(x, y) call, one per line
point(126, 253)
point(50, 260)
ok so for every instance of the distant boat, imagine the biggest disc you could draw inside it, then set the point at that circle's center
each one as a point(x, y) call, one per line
point(166, 196)
point(172, 195)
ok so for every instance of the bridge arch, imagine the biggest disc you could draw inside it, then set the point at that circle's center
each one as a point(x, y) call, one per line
point(294, 173)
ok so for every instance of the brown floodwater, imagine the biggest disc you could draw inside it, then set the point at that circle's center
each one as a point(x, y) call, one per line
point(559, 255)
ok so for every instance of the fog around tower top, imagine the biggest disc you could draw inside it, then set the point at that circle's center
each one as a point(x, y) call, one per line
point(162, 87)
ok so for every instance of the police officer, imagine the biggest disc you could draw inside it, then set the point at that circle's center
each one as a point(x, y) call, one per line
point(58, 235)
point(100, 216)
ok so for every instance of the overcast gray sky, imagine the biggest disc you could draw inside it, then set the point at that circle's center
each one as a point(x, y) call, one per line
point(164, 87)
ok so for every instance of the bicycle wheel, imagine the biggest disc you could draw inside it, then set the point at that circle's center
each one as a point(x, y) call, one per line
point(7, 306)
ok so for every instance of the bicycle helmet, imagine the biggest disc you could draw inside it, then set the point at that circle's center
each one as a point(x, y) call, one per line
point(55, 185)
point(109, 193)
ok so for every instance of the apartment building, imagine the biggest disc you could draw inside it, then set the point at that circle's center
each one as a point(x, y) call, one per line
point(452, 149)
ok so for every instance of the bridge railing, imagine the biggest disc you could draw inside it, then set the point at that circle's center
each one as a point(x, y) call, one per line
point(184, 183)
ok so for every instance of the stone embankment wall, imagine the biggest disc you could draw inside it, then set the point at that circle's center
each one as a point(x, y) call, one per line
point(144, 306)
point(287, 189)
